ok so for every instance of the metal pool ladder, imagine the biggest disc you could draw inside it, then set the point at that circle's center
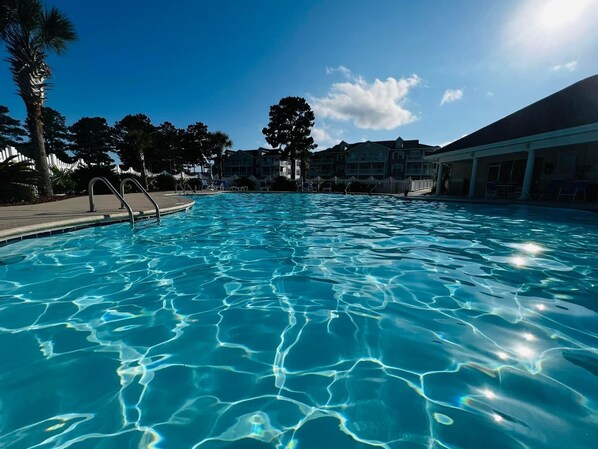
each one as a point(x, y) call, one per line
point(92, 207)
point(120, 197)
point(140, 187)
point(182, 185)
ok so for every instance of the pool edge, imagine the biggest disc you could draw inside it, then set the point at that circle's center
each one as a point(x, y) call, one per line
point(60, 227)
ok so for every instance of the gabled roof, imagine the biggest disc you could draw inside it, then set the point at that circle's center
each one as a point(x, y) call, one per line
point(253, 153)
point(407, 144)
point(369, 142)
point(573, 106)
point(389, 144)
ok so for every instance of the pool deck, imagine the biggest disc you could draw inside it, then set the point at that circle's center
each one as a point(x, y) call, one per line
point(36, 220)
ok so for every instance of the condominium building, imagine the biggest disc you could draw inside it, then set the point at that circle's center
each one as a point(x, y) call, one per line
point(261, 163)
point(379, 159)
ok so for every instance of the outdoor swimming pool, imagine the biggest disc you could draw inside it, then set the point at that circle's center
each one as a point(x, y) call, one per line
point(305, 321)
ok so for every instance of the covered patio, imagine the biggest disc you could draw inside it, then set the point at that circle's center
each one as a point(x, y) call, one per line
point(546, 150)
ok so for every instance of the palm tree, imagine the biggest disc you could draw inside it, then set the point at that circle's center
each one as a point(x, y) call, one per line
point(17, 180)
point(219, 142)
point(30, 31)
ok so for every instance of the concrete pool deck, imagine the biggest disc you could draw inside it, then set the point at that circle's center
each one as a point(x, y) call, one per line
point(34, 220)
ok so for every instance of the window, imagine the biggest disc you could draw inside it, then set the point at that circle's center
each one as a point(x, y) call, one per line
point(396, 169)
point(566, 163)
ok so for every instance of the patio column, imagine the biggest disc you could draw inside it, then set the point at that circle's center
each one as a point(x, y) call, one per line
point(474, 176)
point(439, 179)
point(529, 172)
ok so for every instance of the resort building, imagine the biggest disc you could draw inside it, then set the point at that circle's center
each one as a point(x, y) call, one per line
point(538, 152)
point(261, 163)
point(329, 163)
point(380, 159)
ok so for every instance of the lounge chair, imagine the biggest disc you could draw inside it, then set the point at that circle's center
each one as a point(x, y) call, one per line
point(491, 190)
point(572, 189)
point(552, 190)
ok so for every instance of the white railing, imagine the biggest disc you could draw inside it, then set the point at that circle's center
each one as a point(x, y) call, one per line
point(388, 185)
point(53, 161)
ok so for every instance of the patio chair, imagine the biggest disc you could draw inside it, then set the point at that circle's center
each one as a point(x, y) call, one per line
point(552, 190)
point(491, 190)
point(572, 189)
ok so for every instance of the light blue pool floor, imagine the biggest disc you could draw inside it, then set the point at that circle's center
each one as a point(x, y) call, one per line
point(305, 321)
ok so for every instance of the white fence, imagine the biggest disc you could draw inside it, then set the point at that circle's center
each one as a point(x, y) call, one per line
point(388, 185)
point(53, 161)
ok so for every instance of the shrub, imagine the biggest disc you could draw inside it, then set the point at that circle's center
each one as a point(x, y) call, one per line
point(84, 174)
point(357, 186)
point(130, 187)
point(17, 181)
point(62, 181)
point(339, 187)
point(245, 182)
point(282, 184)
point(165, 182)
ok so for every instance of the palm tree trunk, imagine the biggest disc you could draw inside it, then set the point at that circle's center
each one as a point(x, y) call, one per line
point(36, 133)
point(143, 174)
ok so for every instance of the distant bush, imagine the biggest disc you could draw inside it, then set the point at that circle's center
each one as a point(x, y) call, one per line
point(16, 193)
point(282, 184)
point(63, 181)
point(130, 187)
point(84, 174)
point(17, 181)
point(245, 182)
point(339, 187)
point(357, 186)
point(165, 182)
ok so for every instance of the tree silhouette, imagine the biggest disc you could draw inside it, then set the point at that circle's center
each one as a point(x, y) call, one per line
point(196, 143)
point(11, 131)
point(289, 129)
point(134, 136)
point(56, 133)
point(92, 140)
point(168, 150)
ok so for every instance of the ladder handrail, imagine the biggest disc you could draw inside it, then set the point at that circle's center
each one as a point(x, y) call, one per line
point(113, 190)
point(145, 192)
point(347, 188)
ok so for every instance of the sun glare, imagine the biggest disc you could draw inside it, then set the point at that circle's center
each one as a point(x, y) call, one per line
point(545, 27)
point(560, 13)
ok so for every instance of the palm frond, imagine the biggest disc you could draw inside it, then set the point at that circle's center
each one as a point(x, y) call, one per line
point(17, 172)
point(56, 31)
point(23, 15)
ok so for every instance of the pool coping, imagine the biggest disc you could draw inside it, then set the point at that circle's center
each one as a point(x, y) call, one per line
point(59, 227)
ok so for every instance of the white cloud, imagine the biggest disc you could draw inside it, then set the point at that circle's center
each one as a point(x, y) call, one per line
point(325, 136)
point(379, 105)
point(451, 95)
point(569, 66)
point(490, 93)
point(341, 69)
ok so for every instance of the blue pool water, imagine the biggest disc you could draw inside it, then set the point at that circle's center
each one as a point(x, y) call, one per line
point(305, 321)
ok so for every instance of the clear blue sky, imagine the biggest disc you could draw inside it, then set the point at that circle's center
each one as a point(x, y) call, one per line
point(428, 70)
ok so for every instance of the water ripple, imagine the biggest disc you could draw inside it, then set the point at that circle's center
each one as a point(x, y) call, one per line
point(315, 321)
